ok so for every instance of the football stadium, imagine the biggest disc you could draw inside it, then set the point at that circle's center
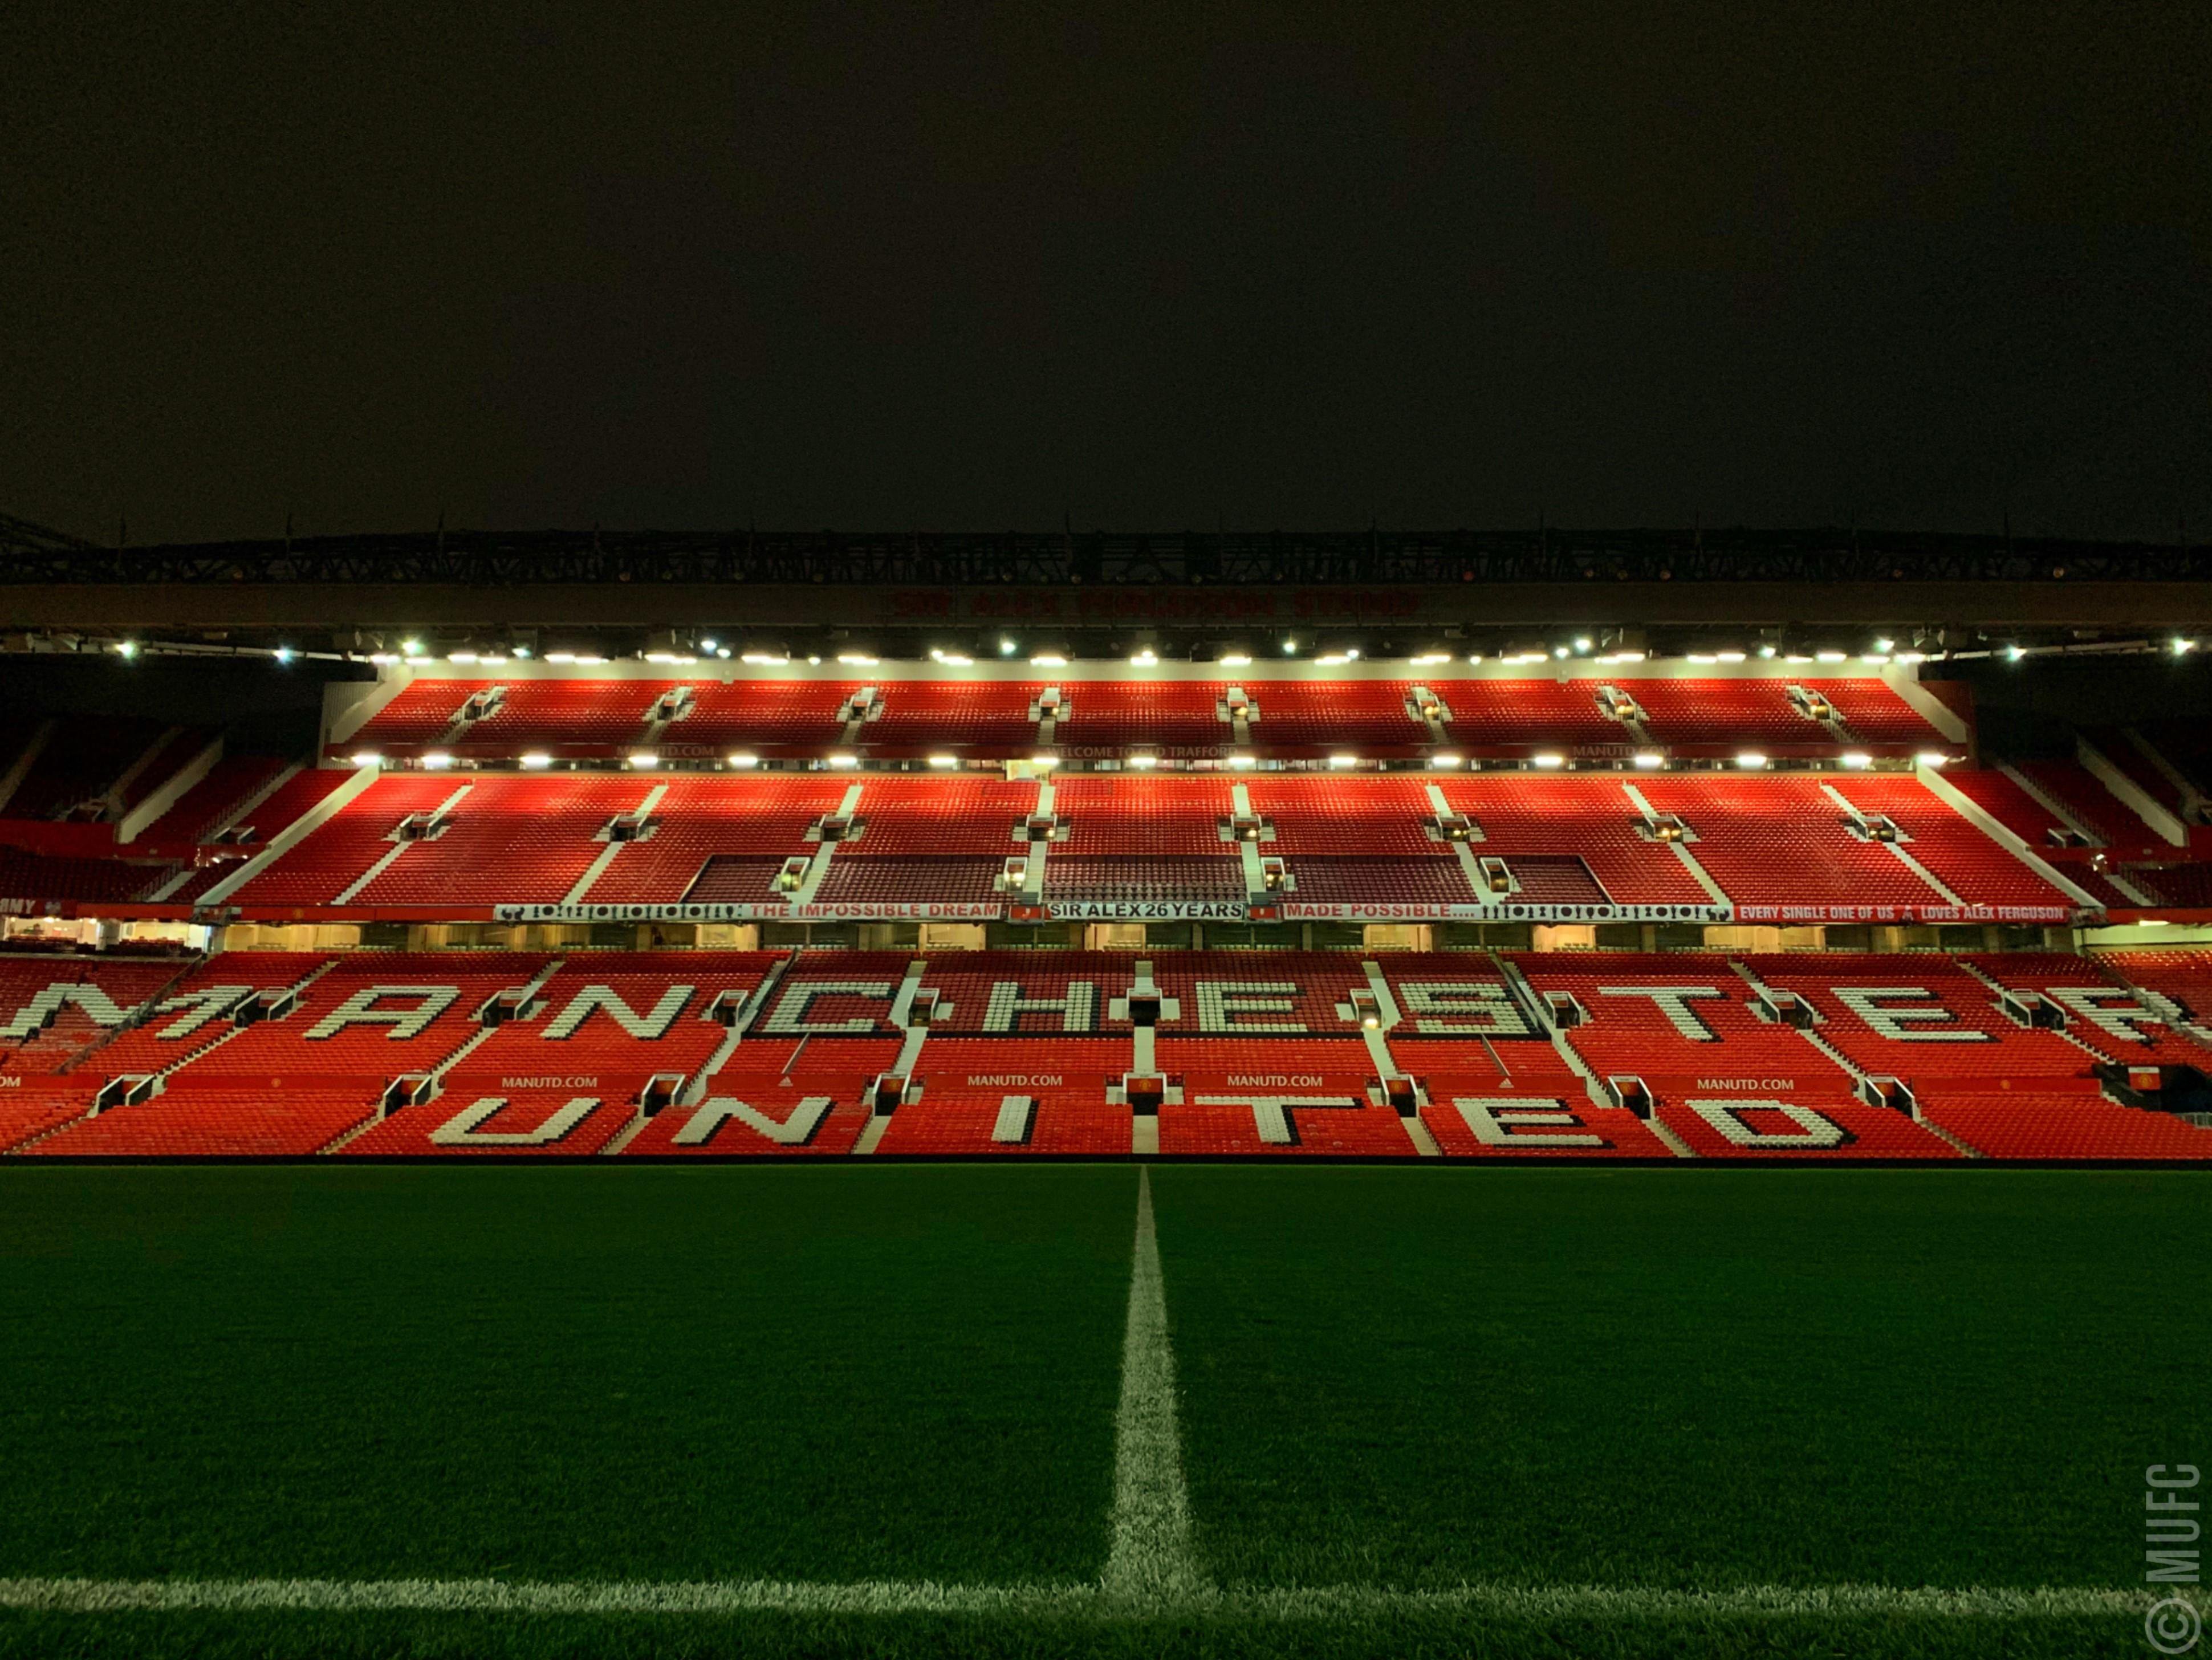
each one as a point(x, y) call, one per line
point(1621, 1093)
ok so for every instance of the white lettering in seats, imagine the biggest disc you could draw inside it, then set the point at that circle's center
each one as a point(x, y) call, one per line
point(1813, 1130)
point(1865, 1001)
point(646, 1028)
point(463, 1128)
point(790, 1014)
point(1674, 1001)
point(361, 1010)
point(1220, 1001)
point(797, 1128)
point(1474, 1008)
point(1513, 1121)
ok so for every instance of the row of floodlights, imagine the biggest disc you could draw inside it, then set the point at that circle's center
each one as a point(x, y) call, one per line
point(1644, 760)
point(413, 652)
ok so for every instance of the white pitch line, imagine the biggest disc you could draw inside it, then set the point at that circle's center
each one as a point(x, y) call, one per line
point(1150, 1562)
point(727, 1597)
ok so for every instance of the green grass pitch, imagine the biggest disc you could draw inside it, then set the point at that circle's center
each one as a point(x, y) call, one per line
point(1507, 1412)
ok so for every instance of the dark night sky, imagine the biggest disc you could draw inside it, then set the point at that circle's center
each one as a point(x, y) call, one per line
point(974, 266)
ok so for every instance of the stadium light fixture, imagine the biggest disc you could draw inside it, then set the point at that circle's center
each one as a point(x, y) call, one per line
point(1751, 761)
point(1766, 652)
point(1650, 760)
point(706, 644)
point(858, 659)
point(2013, 654)
point(366, 759)
point(460, 657)
point(523, 652)
point(1145, 658)
point(1856, 760)
point(1344, 760)
point(1875, 657)
point(382, 658)
point(1241, 761)
point(953, 659)
point(1622, 657)
point(1007, 648)
point(1583, 642)
point(284, 653)
point(645, 760)
point(1444, 758)
point(1290, 648)
point(1703, 657)
point(495, 657)
point(437, 760)
point(126, 649)
point(536, 761)
point(1549, 762)
point(1729, 656)
point(766, 658)
point(1797, 657)
point(1429, 657)
point(1931, 758)
point(560, 656)
point(842, 759)
point(1236, 659)
point(1044, 760)
point(1474, 657)
point(1332, 657)
point(1828, 656)
point(1885, 645)
point(741, 760)
point(1558, 651)
point(1912, 657)
point(1047, 659)
point(412, 648)
point(2183, 647)
point(1144, 763)
point(944, 760)
point(591, 659)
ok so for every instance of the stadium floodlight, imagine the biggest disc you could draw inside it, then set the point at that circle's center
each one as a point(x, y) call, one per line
point(706, 644)
point(723, 653)
point(1875, 657)
point(1828, 656)
point(1931, 758)
point(2183, 647)
point(1443, 758)
point(766, 658)
point(1622, 657)
point(1751, 761)
point(496, 657)
point(1144, 761)
point(460, 657)
point(1290, 647)
point(591, 659)
point(953, 659)
point(1145, 658)
point(645, 760)
point(1856, 760)
point(1703, 657)
point(437, 760)
point(1730, 656)
point(1650, 760)
point(1583, 642)
point(2154, 922)
point(383, 656)
point(366, 759)
point(1558, 651)
point(657, 657)
point(1885, 645)
point(816, 661)
point(1236, 659)
point(1332, 657)
point(842, 759)
point(1344, 760)
point(1912, 657)
point(2013, 654)
point(1047, 659)
point(1353, 652)
point(560, 656)
point(742, 759)
point(1429, 657)
point(284, 653)
point(1766, 651)
point(412, 647)
point(1474, 657)
point(536, 760)
point(1044, 760)
point(857, 659)
point(126, 649)
point(1549, 763)
point(1797, 657)
point(1241, 761)
point(944, 760)
point(1007, 648)
point(523, 652)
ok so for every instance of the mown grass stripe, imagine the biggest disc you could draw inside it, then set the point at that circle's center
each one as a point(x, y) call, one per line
point(1522, 1602)
point(1150, 1560)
